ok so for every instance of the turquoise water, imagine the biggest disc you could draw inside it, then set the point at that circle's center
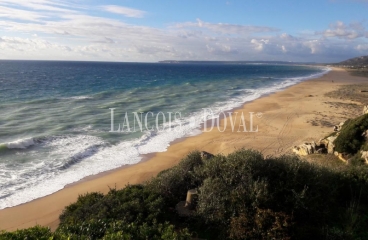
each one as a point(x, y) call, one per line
point(55, 122)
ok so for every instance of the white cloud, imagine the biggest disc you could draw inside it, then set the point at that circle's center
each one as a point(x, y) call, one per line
point(18, 14)
point(43, 5)
point(341, 30)
point(128, 12)
point(362, 47)
point(50, 29)
point(224, 28)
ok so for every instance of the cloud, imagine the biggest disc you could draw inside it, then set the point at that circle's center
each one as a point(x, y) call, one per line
point(362, 47)
point(61, 29)
point(42, 5)
point(343, 31)
point(225, 28)
point(128, 12)
point(18, 14)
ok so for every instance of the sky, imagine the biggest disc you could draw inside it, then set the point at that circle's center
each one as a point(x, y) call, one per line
point(323, 31)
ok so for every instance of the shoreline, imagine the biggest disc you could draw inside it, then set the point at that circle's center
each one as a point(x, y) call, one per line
point(283, 125)
point(58, 182)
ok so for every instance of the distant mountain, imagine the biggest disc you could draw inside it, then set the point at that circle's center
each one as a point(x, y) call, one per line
point(233, 62)
point(354, 62)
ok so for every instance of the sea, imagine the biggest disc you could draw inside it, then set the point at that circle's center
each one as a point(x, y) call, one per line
point(63, 121)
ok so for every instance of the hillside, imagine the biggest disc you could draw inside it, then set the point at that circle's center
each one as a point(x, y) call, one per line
point(358, 62)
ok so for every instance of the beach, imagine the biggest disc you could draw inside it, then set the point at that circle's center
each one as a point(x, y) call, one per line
point(286, 118)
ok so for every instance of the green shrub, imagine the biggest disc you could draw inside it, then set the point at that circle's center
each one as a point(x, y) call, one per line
point(351, 139)
point(237, 185)
point(162, 231)
point(241, 196)
point(263, 224)
point(357, 160)
point(134, 203)
point(33, 233)
point(120, 230)
point(172, 184)
point(81, 209)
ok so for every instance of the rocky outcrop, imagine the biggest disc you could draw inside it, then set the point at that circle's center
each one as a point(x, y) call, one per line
point(305, 149)
point(325, 145)
point(337, 128)
point(365, 135)
point(329, 144)
point(364, 156)
point(365, 109)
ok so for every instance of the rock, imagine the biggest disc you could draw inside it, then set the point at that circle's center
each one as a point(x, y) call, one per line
point(305, 149)
point(337, 128)
point(364, 156)
point(365, 135)
point(342, 157)
point(365, 109)
point(206, 155)
point(321, 150)
point(298, 150)
point(192, 198)
point(322, 143)
point(328, 144)
point(331, 145)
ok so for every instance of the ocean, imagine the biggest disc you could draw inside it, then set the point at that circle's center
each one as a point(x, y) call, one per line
point(59, 121)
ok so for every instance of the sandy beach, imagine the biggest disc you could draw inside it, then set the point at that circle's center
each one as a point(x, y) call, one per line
point(299, 113)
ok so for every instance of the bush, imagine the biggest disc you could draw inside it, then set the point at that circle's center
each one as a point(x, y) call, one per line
point(81, 209)
point(241, 196)
point(172, 184)
point(237, 186)
point(120, 230)
point(351, 138)
point(263, 224)
point(33, 233)
point(134, 203)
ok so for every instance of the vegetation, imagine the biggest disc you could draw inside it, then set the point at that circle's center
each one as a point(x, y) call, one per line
point(356, 66)
point(355, 63)
point(352, 135)
point(241, 196)
point(356, 94)
point(34, 233)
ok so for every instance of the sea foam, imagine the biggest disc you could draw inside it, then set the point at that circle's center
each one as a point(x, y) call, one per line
point(21, 143)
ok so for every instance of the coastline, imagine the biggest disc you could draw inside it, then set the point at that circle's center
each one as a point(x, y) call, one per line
point(284, 123)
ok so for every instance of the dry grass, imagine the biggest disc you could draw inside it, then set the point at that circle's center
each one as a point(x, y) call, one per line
point(356, 93)
point(325, 160)
point(359, 72)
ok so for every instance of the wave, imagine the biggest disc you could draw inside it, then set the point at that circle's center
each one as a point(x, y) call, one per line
point(88, 152)
point(79, 97)
point(18, 144)
point(307, 77)
point(71, 158)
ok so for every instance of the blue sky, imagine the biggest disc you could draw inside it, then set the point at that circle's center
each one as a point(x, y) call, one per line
point(149, 31)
